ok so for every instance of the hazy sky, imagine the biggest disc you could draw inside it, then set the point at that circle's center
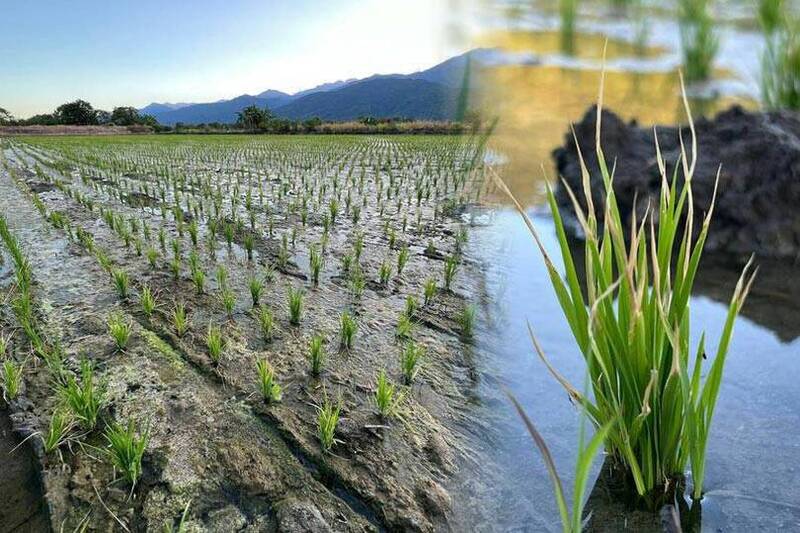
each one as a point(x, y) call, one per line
point(126, 52)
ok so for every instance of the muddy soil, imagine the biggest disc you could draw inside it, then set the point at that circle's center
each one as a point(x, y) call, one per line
point(759, 178)
point(242, 464)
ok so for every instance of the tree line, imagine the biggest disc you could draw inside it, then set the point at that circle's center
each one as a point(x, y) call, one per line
point(81, 113)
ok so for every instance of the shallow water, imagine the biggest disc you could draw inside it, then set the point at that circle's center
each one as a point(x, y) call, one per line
point(752, 478)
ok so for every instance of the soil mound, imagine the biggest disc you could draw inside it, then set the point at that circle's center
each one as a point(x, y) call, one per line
point(759, 185)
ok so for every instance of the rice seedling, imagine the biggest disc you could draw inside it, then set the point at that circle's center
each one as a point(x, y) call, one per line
point(572, 520)
point(221, 273)
point(461, 238)
point(699, 43)
point(327, 420)
point(266, 323)
point(152, 257)
point(358, 246)
point(148, 301)
point(347, 262)
point(11, 379)
point(121, 283)
point(410, 358)
point(61, 423)
point(249, 244)
point(256, 286)
point(270, 390)
point(347, 330)
point(316, 354)
point(169, 525)
point(214, 343)
point(120, 331)
point(126, 449)
point(175, 267)
point(466, 321)
point(429, 291)
point(633, 329)
point(567, 10)
point(315, 261)
point(404, 326)
point(386, 398)
point(295, 305)
point(228, 298)
point(411, 306)
point(780, 63)
point(357, 283)
point(450, 269)
point(402, 259)
point(384, 272)
point(84, 399)
point(180, 320)
point(199, 280)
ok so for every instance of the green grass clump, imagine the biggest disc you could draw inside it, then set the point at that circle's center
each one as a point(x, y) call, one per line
point(384, 273)
point(61, 422)
point(466, 320)
point(228, 299)
point(126, 449)
point(84, 398)
point(327, 420)
point(295, 305)
point(148, 301)
point(270, 390)
point(404, 327)
point(450, 269)
point(256, 286)
point(121, 283)
point(316, 354)
point(699, 42)
point(11, 379)
point(386, 398)
point(567, 10)
point(411, 306)
point(347, 330)
point(214, 343)
point(180, 320)
point(266, 323)
point(199, 280)
point(780, 64)
point(429, 290)
point(410, 358)
point(120, 330)
point(402, 259)
point(315, 261)
point(631, 324)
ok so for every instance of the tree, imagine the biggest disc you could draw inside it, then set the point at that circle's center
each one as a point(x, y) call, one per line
point(254, 118)
point(79, 112)
point(5, 117)
point(46, 119)
point(312, 123)
point(103, 117)
point(125, 116)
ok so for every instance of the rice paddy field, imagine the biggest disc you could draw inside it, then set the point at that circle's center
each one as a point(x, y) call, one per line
point(264, 331)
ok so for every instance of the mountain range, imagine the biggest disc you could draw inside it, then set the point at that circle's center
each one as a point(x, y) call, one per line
point(428, 94)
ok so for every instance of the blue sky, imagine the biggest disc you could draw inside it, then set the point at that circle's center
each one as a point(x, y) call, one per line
point(125, 52)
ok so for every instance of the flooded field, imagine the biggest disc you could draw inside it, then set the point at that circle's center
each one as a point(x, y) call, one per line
point(318, 265)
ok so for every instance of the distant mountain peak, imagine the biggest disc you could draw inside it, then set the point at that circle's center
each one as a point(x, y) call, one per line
point(380, 95)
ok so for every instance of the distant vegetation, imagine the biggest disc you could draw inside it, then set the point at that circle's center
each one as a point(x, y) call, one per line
point(780, 65)
point(81, 113)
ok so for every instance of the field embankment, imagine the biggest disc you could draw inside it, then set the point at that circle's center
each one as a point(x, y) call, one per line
point(73, 130)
